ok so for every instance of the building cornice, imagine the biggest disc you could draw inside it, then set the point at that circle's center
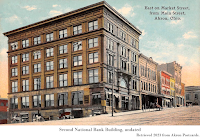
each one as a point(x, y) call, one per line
point(80, 10)
point(147, 58)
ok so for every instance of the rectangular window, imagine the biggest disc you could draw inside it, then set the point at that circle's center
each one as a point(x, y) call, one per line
point(77, 60)
point(14, 86)
point(196, 96)
point(14, 71)
point(93, 57)
point(123, 51)
point(25, 85)
point(14, 103)
point(62, 49)
point(25, 57)
point(37, 40)
point(134, 84)
point(62, 63)
point(110, 44)
point(25, 70)
point(93, 42)
point(77, 98)
point(25, 43)
point(108, 99)
point(110, 59)
point(63, 33)
point(49, 100)
point(37, 54)
point(25, 102)
point(37, 67)
point(77, 46)
point(110, 77)
point(37, 101)
point(187, 96)
point(133, 56)
point(14, 45)
point(93, 76)
point(49, 65)
point(123, 64)
point(110, 27)
point(133, 42)
point(124, 102)
point(122, 35)
point(49, 82)
point(62, 99)
point(14, 60)
point(96, 99)
point(77, 29)
point(77, 78)
point(49, 37)
point(93, 25)
point(62, 80)
point(134, 69)
point(49, 52)
point(37, 83)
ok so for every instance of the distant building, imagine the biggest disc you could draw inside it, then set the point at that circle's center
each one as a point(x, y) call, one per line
point(3, 110)
point(164, 88)
point(192, 95)
point(70, 62)
point(175, 70)
point(148, 81)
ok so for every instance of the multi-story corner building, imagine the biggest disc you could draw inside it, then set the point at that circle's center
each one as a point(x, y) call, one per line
point(175, 70)
point(148, 81)
point(172, 90)
point(182, 102)
point(3, 110)
point(192, 95)
point(164, 88)
point(66, 63)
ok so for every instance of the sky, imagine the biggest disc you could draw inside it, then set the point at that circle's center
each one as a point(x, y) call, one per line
point(163, 40)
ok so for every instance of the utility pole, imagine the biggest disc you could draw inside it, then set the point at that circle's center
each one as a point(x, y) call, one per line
point(112, 86)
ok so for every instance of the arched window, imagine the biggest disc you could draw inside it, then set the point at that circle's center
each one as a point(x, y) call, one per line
point(123, 83)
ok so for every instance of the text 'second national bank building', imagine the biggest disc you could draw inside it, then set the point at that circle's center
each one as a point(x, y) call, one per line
point(67, 62)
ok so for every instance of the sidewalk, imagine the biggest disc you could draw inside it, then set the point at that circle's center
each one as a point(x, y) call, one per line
point(137, 111)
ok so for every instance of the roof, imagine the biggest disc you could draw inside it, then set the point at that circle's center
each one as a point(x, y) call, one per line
point(3, 99)
point(68, 14)
point(166, 73)
point(148, 58)
point(192, 88)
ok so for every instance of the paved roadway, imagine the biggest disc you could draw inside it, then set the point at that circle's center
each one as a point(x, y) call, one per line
point(169, 116)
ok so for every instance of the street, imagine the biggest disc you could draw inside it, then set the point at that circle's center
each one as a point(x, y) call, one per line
point(169, 116)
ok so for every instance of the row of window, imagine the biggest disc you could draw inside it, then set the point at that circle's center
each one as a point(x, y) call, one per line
point(77, 80)
point(77, 99)
point(165, 81)
point(110, 46)
point(50, 36)
point(122, 35)
point(147, 72)
point(77, 60)
point(188, 96)
point(50, 51)
point(4, 104)
point(148, 87)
